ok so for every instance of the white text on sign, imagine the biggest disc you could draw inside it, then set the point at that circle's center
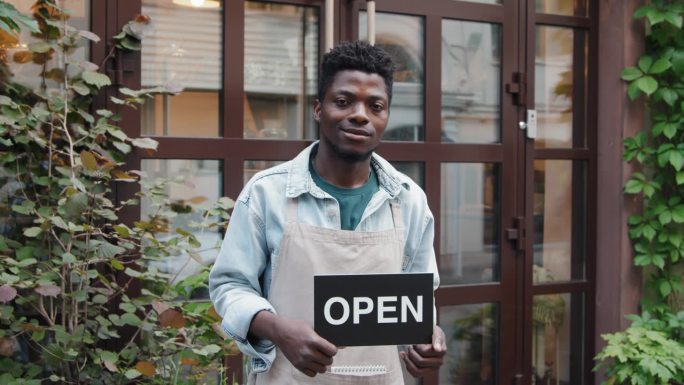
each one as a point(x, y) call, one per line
point(365, 305)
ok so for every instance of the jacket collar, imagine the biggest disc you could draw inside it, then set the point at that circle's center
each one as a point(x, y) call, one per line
point(299, 180)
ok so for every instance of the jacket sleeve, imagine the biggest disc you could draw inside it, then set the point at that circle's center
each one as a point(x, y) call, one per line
point(234, 282)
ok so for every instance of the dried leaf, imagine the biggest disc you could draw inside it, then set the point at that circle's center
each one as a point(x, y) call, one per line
point(198, 199)
point(111, 366)
point(48, 290)
point(189, 361)
point(22, 57)
point(31, 327)
point(160, 306)
point(7, 293)
point(8, 345)
point(146, 368)
point(171, 318)
point(214, 314)
point(89, 35)
point(89, 161)
point(122, 175)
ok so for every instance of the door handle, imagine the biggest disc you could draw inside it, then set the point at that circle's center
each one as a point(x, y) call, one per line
point(517, 233)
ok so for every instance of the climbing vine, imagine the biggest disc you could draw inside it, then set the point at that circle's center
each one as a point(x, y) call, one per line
point(651, 350)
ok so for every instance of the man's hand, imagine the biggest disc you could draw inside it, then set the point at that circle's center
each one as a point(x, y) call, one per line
point(301, 345)
point(425, 358)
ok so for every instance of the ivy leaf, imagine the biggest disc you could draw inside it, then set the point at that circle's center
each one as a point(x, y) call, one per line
point(680, 178)
point(677, 61)
point(634, 186)
point(95, 79)
point(670, 130)
point(665, 288)
point(678, 214)
point(674, 19)
point(631, 73)
point(670, 97)
point(647, 84)
point(661, 65)
point(130, 319)
point(642, 11)
point(676, 159)
point(645, 63)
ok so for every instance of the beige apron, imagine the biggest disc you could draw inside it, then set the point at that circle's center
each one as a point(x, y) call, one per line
point(308, 250)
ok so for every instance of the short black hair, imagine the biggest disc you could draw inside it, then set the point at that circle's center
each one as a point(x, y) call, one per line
point(355, 56)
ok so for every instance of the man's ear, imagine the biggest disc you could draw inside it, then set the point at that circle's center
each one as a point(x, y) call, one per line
point(317, 110)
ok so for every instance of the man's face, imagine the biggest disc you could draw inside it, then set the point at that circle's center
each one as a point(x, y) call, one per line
point(353, 114)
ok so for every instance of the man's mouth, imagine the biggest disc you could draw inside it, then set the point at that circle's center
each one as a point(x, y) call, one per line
point(356, 131)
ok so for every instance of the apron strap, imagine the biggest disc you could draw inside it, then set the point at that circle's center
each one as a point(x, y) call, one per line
point(291, 210)
point(396, 215)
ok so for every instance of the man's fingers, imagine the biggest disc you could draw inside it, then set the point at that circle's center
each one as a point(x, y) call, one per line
point(326, 347)
point(410, 366)
point(438, 339)
point(427, 350)
point(423, 361)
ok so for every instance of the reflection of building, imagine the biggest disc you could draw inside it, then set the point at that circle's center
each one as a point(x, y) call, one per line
point(520, 223)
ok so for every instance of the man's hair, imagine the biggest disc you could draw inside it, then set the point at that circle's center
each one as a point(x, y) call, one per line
point(355, 56)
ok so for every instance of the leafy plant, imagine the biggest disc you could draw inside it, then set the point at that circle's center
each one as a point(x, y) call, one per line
point(651, 350)
point(82, 299)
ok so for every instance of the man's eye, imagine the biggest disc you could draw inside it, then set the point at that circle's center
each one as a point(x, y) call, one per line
point(341, 102)
point(378, 106)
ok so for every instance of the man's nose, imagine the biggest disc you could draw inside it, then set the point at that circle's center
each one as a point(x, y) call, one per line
point(359, 114)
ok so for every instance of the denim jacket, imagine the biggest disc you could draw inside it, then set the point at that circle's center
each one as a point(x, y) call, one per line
point(240, 279)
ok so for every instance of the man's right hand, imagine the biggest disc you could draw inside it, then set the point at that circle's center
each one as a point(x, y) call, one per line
point(301, 345)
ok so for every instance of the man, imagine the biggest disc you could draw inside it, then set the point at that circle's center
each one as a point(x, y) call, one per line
point(337, 208)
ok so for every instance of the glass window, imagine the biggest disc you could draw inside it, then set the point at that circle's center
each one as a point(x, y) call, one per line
point(251, 167)
point(281, 71)
point(559, 220)
point(472, 333)
point(469, 242)
point(403, 38)
point(183, 49)
point(562, 7)
point(471, 76)
point(483, 1)
point(414, 170)
point(199, 181)
point(558, 339)
point(557, 54)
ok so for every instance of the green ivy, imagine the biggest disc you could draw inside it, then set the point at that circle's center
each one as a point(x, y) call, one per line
point(651, 350)
point(81, 301)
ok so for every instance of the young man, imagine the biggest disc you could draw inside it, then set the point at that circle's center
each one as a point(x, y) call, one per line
point(337, 208)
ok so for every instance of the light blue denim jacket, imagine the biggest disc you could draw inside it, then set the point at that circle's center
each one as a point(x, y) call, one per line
point(240, 279)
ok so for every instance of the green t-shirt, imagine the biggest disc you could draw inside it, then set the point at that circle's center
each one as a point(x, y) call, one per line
point(353, 201)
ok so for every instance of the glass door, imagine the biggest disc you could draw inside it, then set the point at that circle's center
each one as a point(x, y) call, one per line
point(455, 112)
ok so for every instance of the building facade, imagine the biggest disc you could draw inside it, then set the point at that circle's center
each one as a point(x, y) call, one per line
point(509, 113)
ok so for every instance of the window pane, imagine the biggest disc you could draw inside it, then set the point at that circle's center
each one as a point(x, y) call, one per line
point(472, 333)
point(559, 220)
point(557, 51)
point(403, 38)
point(562, 7)
point(471, 75)
point(281, 71)
point(251, 167)
point(414, 170)
point(183, 49)
point(470, 218)
point(201, 180)
point(558, 339)
point(27, 67)
point(483, 1)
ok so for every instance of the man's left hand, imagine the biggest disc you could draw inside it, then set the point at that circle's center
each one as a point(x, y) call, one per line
point(425, 358)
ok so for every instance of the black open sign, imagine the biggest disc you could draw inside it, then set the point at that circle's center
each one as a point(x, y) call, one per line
point(374, 309)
